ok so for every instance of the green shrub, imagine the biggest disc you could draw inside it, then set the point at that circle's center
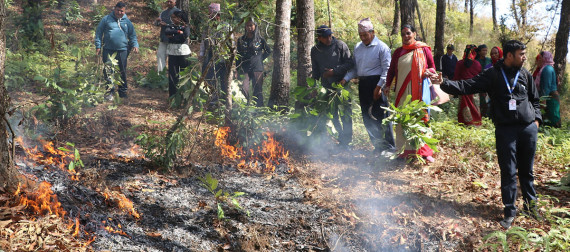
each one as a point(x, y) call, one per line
point(556, 238)
point(314, 118)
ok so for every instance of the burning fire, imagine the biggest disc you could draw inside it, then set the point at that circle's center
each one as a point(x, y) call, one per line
point(222, 142)
point(42, 200)
point(123, 202)
point(49, 156)
point(112, 230)
point(269, 154)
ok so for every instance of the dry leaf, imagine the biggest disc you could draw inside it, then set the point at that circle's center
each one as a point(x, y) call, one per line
point(4, 224)
point(154, 234)
point(227, 246)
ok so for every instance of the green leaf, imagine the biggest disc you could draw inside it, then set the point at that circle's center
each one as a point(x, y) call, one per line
point(218, 194)
point(220, 212)
point(235, 203)
point(237, 194)
point(71, 166)
point(63, 149)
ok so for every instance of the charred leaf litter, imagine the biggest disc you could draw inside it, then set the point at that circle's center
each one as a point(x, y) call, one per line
point(179, 214)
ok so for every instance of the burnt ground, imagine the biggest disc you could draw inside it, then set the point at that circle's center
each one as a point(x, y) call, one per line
point(333, 201)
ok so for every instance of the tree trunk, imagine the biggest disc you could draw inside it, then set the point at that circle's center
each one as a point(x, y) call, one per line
point(494, 7)
point(396, 23)
point(439, 31)
point(561, 44)
point(466, 6)
point(424, 38)
point(184, 5)
point(280, 81)
point(407, 12)
point(515, 14)
point(470, 18)
point(305, 41)
point(8, 173)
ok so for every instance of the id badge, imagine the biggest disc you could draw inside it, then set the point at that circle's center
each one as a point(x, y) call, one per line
point(512, 104)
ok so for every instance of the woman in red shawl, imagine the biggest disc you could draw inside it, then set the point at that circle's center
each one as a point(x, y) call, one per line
point(465, 69)
point(410, 64)
point(484, 100)
point(496, 55)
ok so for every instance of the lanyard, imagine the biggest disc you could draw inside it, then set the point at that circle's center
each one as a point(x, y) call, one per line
point(507, 81)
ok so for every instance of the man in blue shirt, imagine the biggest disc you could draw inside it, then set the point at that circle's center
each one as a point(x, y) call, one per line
point(372, 59)
point(447, 63)
point(116, 35)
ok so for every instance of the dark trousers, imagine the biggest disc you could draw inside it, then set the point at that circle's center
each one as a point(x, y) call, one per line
point(516, 146)
point(121, 56)
point(483, 106)
point(256, 79)
point(381, 136)
point(176, 63)
point(342, 120)
point(217, 74)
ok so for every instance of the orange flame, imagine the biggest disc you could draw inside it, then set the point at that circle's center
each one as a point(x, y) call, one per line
point(43, 201)
point(124, 203)
point(222, 142)
point(53, 156)
point(115, 231)
point(76, 232)
point(271, 152)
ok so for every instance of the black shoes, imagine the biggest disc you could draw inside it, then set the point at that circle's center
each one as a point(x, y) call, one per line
point(507, 222)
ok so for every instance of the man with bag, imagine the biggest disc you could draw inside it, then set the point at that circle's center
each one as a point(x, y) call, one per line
point(116, 35)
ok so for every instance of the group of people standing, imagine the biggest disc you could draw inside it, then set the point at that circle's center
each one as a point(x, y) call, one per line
point(510, 93)
point(376, 69)
point(475, 61)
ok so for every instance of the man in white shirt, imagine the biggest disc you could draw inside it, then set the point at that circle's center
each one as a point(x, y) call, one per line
point(372, 59)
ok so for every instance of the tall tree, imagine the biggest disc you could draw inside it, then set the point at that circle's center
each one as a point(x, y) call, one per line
point(439, 30)
point(183, 5)
point(8, 172)
point(466, 6)
point(305, 40)
point(396, 23)
point(494, 11)
point(420, 20)
point(471, 18)
point(407, 12)
point(561, 44)
point(280, 81)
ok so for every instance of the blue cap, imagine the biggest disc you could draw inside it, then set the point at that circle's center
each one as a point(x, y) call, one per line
point(324, 31)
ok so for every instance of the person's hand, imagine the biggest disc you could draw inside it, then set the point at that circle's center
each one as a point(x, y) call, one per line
point(135, 49)
point(98, 51)
point(429, 74)
point(377, 92)
point(536, 122)
point(342, 82)
point(328, 73)
point(436, 79)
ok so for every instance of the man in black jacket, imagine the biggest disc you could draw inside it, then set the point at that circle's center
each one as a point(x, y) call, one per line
point(516, 115)
point(331, 60)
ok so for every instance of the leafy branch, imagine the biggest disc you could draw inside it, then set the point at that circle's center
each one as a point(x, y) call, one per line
point(410, 117)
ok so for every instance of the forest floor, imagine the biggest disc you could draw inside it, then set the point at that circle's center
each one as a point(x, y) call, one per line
point(324, 199)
